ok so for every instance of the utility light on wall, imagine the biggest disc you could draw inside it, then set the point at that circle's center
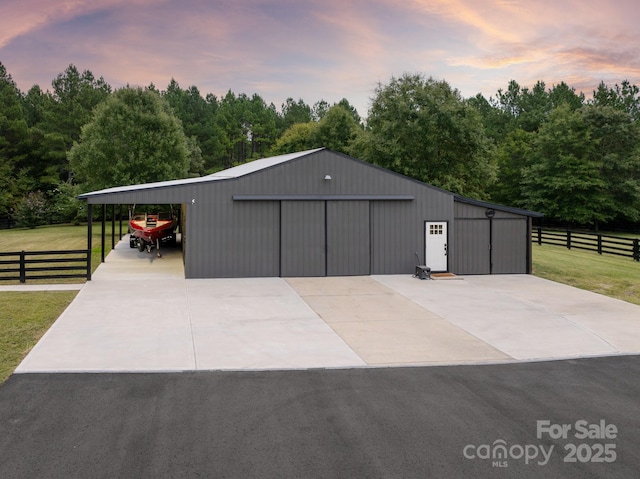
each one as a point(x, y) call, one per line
point(327, 177)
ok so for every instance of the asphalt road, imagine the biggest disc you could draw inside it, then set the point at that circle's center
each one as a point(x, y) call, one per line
point(357, 423)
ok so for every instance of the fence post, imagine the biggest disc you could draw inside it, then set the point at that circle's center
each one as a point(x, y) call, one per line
point(568, 239)
point(88, 275)
point(539, 235)
point(23, 273)
point(599, 244)
point(636, 249)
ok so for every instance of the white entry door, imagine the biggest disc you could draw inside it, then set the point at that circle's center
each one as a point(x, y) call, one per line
point(436, 245)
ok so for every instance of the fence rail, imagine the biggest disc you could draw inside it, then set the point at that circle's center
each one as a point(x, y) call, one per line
point(32, 265)
point(602, 244)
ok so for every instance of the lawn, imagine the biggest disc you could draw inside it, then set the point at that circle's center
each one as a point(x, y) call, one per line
point(57, 237)
point(610, 275)
point(24, 319)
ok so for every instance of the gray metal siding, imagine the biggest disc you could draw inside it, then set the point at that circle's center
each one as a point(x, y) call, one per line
point(305, 176)
point(471, 244)
point(303, 238)
point(227, 239)
point(348, 242)
point(510, 239)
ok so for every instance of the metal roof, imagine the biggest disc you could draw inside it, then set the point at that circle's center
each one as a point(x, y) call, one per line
point(230, 173)
point(506, 209)
point(264, 163)
point(257, 165)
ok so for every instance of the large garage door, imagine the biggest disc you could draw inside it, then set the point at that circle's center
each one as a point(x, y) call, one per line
point(302, 238)
point(325, 238)
point(348, 238)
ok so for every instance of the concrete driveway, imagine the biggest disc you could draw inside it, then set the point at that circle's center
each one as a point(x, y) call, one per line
point(140, 314)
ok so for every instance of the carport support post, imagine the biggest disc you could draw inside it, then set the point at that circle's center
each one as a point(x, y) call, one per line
point(113, 226)
point(120, 217)
point(89, 238)
point(104, 220)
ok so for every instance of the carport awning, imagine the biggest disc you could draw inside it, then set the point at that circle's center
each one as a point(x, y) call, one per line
point(323, 197)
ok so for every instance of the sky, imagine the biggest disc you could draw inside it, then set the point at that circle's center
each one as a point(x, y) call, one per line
point(322, 49)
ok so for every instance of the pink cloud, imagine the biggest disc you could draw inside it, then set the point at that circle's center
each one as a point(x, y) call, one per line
point(19, 17)
point(319, 48)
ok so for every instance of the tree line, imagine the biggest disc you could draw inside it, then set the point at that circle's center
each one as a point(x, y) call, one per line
point(547, 149)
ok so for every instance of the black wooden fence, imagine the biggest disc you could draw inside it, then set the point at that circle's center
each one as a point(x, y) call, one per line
point(32, 265)
point(602, 244)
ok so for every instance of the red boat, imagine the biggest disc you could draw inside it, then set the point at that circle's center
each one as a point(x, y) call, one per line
point(149, 230)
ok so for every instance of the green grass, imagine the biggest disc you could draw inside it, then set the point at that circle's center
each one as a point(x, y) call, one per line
point(610, 275)
point(25, 317)
point(55, 237)
point(58, 237)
